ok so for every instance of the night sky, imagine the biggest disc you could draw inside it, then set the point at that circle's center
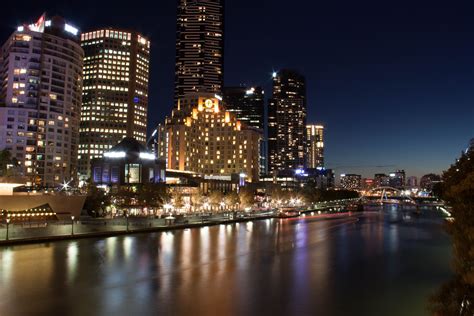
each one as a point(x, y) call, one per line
point(392, 83)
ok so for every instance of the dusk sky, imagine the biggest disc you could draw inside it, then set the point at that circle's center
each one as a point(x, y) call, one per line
point(392, 84)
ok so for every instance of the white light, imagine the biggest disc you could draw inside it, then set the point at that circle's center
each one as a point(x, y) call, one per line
point(154, 132)
point(250, 91)
point(343, 175)
point(115, 154)
point(274, 74)
point(218, 97)
point(70, 29)
point(242, 175)
point(20, 29)
point(147, 156)
point(47, 23)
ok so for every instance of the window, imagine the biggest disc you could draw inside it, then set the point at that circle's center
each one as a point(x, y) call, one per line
point(132, 173)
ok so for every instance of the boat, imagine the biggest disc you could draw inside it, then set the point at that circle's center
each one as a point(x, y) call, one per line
point(287, 212)
point(355, 207)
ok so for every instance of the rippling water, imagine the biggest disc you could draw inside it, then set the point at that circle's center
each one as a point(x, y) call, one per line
point(376, 263)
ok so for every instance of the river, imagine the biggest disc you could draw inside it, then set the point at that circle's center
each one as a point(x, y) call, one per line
point(384, 262)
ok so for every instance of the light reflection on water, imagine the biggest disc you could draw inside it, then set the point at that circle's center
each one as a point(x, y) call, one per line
point(302, 266)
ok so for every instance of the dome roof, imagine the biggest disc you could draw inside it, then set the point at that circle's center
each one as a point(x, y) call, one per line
point(129, 145)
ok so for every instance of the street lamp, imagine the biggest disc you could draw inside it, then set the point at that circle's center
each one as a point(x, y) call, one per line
point(126, 217)
point(72, 225)
point(8, 224)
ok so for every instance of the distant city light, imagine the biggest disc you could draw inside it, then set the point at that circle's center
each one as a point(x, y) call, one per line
point(218, 97)
point(274, 74)
point(250, 91)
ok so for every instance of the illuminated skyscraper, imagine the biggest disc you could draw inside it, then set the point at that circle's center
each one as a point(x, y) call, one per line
point(351, 181)
point(287, 122)
point(246, 103)
point(315, 146)
point(40, 99)
point(397, 179)
point(199, 47)
point(115, 96)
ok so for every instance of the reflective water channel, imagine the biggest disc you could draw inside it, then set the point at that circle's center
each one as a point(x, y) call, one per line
point(384, 262)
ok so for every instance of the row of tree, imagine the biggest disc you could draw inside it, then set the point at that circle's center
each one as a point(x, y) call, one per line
point(158, 196)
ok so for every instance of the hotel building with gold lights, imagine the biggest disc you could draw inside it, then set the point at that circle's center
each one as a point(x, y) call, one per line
point(202, 137)
point(115, 94)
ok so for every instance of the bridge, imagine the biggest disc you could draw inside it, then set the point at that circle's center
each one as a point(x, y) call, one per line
point(386, 195)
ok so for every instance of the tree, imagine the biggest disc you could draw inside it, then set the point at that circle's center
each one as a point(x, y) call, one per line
point(97, 201)
point(8, 165)
point(215, 199)
point(457, 296)
point(232, 200)
point(152, 195)
point(246, 197)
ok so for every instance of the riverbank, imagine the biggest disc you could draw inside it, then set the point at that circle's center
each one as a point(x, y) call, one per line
point(139, 230)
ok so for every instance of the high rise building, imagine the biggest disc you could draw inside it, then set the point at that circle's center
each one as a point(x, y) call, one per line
point(412, 182)
point(315, 146)
point(351, 181)
point(248, 106)
point(287, 122)
point(397, 179)
point(381, 180)
point(209, 141)
point(199, 47)
point(246, 103)
point(115, 94)
point(40, 99)
point(428, 181)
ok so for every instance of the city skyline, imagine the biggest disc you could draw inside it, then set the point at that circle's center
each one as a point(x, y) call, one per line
point(362, 71)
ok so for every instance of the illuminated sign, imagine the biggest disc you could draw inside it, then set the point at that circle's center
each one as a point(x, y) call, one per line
point(115, 154)
point(223, 178)
point(208, 103)
point(147, 156)
point(71, 29)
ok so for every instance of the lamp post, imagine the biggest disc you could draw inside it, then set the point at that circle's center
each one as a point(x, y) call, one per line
point(72, 225)
point(126, 216)
point(8, 224)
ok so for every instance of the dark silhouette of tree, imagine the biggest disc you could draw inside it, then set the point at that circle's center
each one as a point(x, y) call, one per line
point(97, 201)
point(457, 296)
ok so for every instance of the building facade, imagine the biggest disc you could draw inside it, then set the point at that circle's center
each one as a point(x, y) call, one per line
point(248, 106)
point(397, 179)
point(40, 99)
point(381, 180)
point(351, 181)
point(199, 47)
point(204, 138)
point(315, 146)
point(287, 122)
point(128, 163)
point(316, 178)
point(115, 94)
